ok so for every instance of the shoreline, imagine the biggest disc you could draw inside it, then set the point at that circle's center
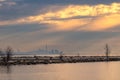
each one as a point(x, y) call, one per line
point(26, 60)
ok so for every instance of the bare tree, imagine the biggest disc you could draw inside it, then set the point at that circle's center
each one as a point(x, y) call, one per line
point(9, 52)
point(2, 53)
point(61, 55)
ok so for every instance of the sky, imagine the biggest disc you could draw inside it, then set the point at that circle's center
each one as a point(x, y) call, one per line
point(73, 26)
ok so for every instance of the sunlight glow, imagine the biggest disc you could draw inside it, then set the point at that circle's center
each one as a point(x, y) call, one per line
point(80, 17)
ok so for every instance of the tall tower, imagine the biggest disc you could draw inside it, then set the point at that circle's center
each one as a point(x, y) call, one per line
point(107, 52)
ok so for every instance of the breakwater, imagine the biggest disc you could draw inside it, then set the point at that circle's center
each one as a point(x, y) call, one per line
point(56, 59)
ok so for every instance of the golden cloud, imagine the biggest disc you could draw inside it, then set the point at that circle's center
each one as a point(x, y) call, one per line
point(82, 17)
point(104, 22)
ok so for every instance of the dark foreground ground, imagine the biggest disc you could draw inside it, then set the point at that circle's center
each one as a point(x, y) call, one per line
point(56, 59)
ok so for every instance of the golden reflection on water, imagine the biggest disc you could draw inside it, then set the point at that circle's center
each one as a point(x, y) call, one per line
point(77, 71)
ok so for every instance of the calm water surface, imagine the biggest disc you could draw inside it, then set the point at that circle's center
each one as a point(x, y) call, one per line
point(77, 71)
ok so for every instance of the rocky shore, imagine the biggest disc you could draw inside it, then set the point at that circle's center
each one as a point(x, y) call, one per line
point(56, 59)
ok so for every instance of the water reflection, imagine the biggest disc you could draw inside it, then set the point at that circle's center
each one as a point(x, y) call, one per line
point(5, 72)
point(78, 71)
point(5, 69)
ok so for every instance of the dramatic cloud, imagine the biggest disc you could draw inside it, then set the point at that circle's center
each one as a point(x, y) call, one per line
point(81, 17)
point(29, 24)
point(105, 22)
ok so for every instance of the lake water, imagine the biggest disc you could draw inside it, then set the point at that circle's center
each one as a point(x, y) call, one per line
point(77, 71)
